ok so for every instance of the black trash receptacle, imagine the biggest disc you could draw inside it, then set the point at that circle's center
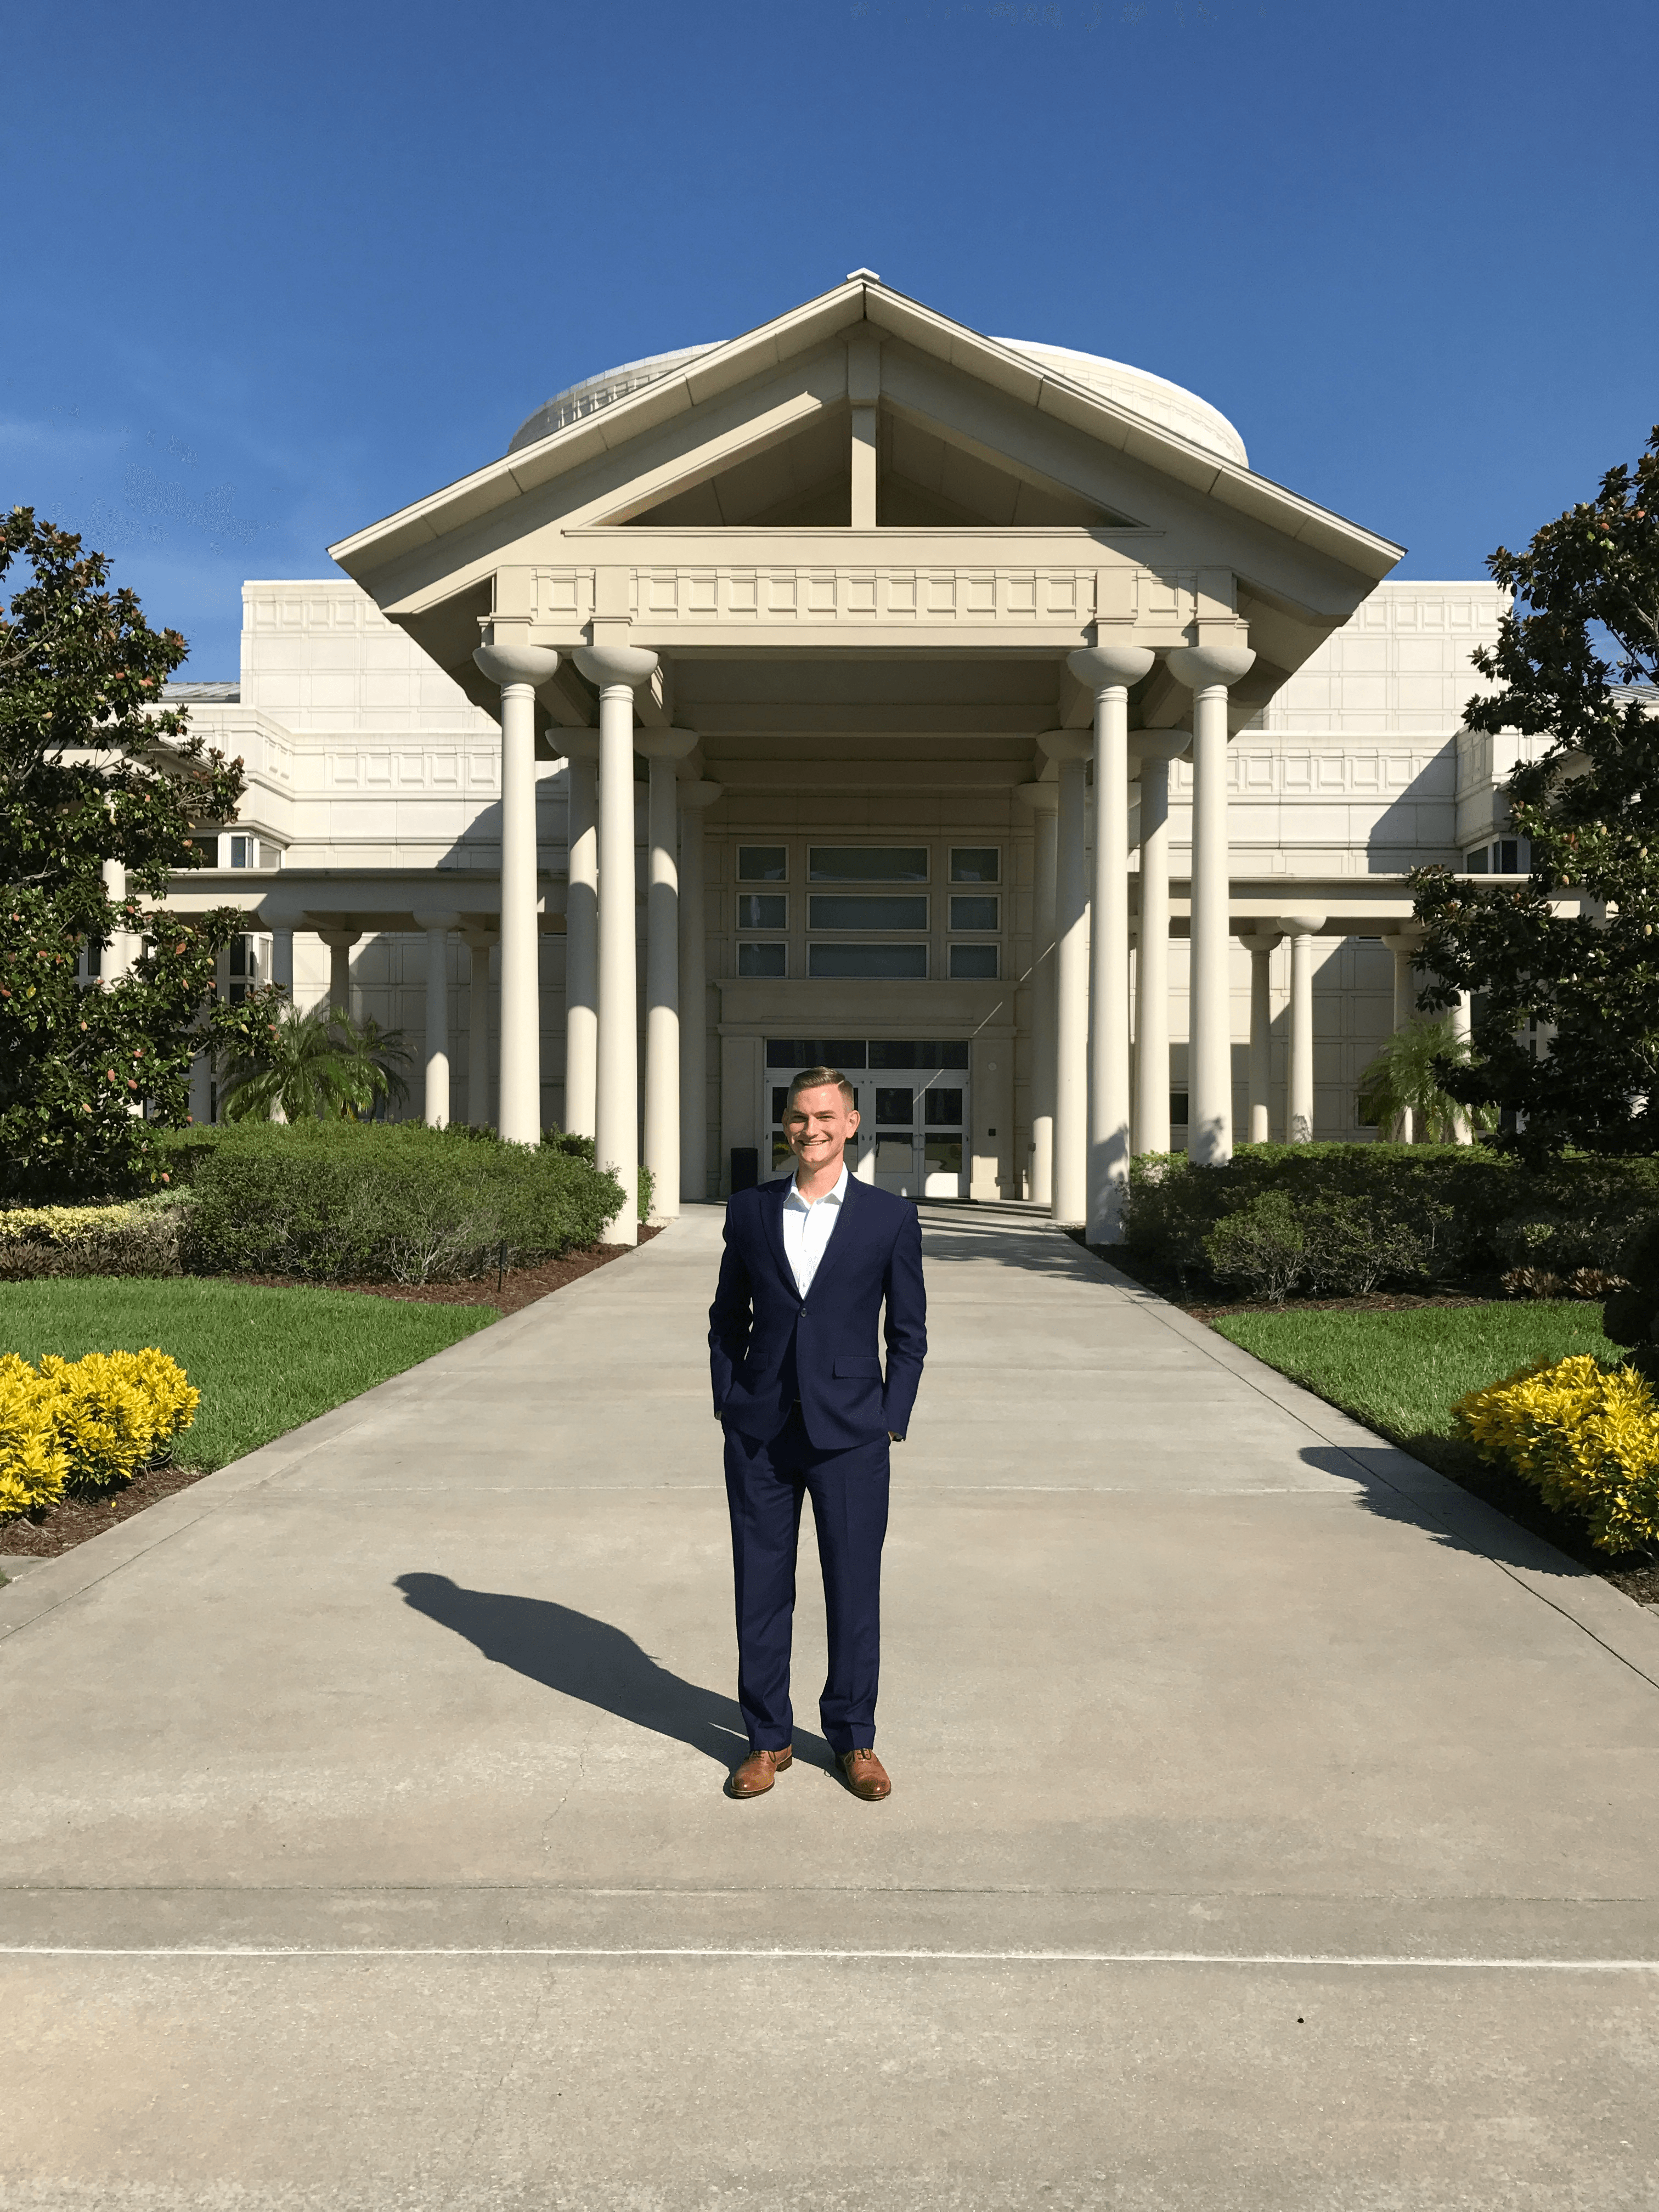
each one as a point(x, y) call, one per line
point(746, 1166)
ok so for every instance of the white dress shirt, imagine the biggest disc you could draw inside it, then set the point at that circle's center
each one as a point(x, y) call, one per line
point(807, 1226)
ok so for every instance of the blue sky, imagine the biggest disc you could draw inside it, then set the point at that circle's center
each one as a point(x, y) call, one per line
point(271, 273)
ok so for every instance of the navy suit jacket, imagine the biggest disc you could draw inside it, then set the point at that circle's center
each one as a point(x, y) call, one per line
point(769, 1345)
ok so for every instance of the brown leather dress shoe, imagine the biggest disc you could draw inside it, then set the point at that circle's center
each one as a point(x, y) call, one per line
point(866, 1776)
point(758, 1772)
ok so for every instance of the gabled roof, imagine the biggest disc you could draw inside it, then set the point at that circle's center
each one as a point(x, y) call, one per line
point(1041, 385)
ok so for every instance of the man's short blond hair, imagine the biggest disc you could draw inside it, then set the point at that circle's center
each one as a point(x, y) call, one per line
point(814, 1079)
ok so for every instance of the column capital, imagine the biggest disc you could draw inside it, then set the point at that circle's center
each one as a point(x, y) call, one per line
point(334, 936)
point(1404, 937)
point(1304, 921)
point(436, 917)
point(1041, 797)
point(480, 936)
point(576, 744)
point(1259, 936)
point(1202, 667)
point(610, 664)
point(1160, 744)
point(506, 662)
point(1100, 667)
point(1067, 745)
point(665, 744)
point(696, 796)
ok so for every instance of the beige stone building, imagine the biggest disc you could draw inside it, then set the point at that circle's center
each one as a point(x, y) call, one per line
point(963, 710)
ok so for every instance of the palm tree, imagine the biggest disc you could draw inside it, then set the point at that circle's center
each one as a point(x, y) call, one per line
point(318, 1066)
point(1403, 1080)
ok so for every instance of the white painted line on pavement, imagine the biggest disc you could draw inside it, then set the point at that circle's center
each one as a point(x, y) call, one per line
point(1309, 1959)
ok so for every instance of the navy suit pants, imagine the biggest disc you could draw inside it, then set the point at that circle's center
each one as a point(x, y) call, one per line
point(765, 1483)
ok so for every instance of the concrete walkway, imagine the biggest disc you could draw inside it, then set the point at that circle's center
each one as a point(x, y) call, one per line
point(1273, 1825)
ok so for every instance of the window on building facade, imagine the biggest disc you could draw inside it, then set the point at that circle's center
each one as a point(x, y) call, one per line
point(763, 864)
point(763, 909)
point(754, 959)
point(866, 863)
point(1504, 856)
point(204, 853)
point(1178, 1109)
point(974, 963)
point(843, 1053)
point(247, 966)
point(975, 864)
point(973, 913)
point(868, 963)
point(866, 910)
point(244, 851)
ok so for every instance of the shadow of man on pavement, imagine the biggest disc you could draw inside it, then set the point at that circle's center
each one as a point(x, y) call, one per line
point(582, 1657)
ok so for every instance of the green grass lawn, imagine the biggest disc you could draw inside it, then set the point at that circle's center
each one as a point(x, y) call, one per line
point(264, 1360)
point(1403, 1372)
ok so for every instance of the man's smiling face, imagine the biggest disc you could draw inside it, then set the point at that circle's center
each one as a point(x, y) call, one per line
point(818, 1124)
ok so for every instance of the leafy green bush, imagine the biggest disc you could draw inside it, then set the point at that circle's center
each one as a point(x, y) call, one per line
point(1335, 1245)
point(1431, 1212)
point(345, 1202)
point(582, 1148)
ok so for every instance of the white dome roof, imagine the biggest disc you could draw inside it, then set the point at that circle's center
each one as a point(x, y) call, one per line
point(596, 392)
point(1153, 397)
point(1170, 405)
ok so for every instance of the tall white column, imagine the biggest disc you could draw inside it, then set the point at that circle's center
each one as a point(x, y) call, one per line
point(478, 942)
point(1208, 670)
point(339, 943)
point(694, 797)
point(663, 748)
point(1405, 943)
point(1301, 929)
point(616, 669)
point(581, 934)
point(517, 669)
point(1259, 942)
point(117, 956)
point(1044, 799)
point(1156, 749)
point(1070, 749)
point(437, 926)
point(1109, 669)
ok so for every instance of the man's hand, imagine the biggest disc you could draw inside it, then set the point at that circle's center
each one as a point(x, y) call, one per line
point(894, 1437)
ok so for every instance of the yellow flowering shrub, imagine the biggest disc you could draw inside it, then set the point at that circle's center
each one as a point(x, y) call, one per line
point(33, 1465)
point(95, 1422)
point(1584, 1434)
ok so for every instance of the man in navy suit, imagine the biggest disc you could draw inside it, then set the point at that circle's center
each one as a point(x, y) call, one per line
point(810, 1260)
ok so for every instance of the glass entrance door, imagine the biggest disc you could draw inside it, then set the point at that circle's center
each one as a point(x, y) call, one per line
point(916, 1130)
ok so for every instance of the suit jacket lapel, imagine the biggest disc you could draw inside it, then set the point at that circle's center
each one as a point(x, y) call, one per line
point(852, 1198)
point(781, 1184)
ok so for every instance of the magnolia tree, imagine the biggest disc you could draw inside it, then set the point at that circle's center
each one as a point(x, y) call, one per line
point(1576, 663)
point(93, 769)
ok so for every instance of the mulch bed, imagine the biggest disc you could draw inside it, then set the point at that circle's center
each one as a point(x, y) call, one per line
point(520, 1286)
point(76, 1518)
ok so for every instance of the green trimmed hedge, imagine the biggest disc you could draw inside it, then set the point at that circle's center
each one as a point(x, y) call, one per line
point(1338, 1218)
point(364, 1201)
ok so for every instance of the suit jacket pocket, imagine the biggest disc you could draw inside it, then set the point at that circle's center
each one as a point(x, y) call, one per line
point(861, 1367)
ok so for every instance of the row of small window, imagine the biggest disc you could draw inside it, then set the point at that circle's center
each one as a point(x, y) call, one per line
point(867, 864)
point(866, 910)
point(868, 963)
point(234, 851)
point(248, 963)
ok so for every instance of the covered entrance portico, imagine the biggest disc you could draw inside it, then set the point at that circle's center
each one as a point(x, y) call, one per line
point(908, 607)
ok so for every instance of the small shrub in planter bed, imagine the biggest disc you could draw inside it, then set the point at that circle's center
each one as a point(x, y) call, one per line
point(1335, 1245)
point(344, 1202)
point(91, 1423)
point(1584, 1434)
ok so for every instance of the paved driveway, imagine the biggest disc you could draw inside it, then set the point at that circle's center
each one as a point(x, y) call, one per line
point(1273, 1826)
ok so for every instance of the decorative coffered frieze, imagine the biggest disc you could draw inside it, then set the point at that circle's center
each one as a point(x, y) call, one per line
point(699, 601)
